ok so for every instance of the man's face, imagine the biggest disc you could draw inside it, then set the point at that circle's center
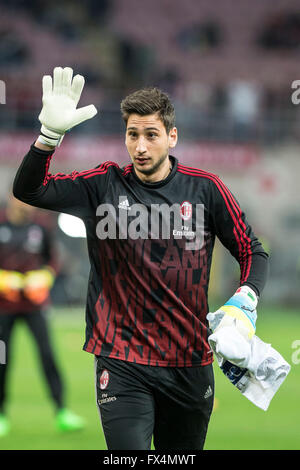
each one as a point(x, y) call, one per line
point(148, 144)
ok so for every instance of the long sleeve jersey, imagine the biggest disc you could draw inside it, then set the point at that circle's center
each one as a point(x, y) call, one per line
point(150, 248)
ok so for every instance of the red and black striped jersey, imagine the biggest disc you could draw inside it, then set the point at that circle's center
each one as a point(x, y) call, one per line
point(150, 249)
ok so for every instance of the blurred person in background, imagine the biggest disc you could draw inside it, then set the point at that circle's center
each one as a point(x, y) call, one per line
point(27, 273)
point(243, 107)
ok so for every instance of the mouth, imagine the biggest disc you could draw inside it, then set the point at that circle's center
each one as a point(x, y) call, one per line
point(142, 160)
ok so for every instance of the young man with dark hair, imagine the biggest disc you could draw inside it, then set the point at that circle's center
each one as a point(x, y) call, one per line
point(151, 228)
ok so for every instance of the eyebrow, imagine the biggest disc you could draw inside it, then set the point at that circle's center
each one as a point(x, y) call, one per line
point(146, 129)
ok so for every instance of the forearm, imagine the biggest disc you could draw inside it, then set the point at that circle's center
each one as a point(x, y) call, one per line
point(28, 182)
point(254, 271)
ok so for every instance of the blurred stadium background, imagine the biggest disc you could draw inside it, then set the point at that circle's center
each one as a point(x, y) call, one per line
point(228, 66)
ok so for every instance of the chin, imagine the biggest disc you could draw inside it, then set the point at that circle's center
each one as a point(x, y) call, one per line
point(145, 171)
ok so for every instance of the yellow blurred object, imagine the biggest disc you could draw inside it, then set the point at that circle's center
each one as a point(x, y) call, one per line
point(11, 285)
point(38, 284)
point(216, 404)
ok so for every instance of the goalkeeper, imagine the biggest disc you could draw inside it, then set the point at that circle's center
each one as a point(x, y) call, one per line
point(147, 293)
point(26, 276)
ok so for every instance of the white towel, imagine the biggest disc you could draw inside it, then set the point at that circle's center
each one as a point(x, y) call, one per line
point(254, 367)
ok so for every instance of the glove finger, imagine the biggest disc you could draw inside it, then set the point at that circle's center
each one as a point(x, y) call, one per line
point(82, 114)
point(77, 87)
point(57, 80)
point(67, 78)
point(47, 85)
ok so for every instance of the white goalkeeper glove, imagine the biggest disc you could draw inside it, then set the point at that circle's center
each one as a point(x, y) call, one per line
point(60, 98)
point(239, 311)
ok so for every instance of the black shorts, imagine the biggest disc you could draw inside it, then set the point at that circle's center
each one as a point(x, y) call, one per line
point(136, 402)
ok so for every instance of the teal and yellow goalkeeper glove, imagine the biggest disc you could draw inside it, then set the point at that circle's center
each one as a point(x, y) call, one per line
point(240, 311)
point(60, 99)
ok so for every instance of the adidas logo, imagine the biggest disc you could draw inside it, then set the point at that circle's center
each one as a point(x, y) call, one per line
point(124, 205)
point(208, 392)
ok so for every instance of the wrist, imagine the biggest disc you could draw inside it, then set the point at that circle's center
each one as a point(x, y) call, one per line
point(41, 146)
point(249, 295)
point(49, 138)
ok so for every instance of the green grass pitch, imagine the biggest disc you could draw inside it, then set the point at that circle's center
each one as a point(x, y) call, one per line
point(235, 424)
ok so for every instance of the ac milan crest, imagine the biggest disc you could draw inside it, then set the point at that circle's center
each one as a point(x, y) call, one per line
point(104, 379)
point(186, 210)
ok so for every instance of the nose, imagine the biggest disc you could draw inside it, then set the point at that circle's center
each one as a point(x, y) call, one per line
point(141, 145)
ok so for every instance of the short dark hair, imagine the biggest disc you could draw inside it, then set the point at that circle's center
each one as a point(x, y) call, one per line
point(149, 101)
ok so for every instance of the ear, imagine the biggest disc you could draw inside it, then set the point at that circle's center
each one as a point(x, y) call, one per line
point(173, 137)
